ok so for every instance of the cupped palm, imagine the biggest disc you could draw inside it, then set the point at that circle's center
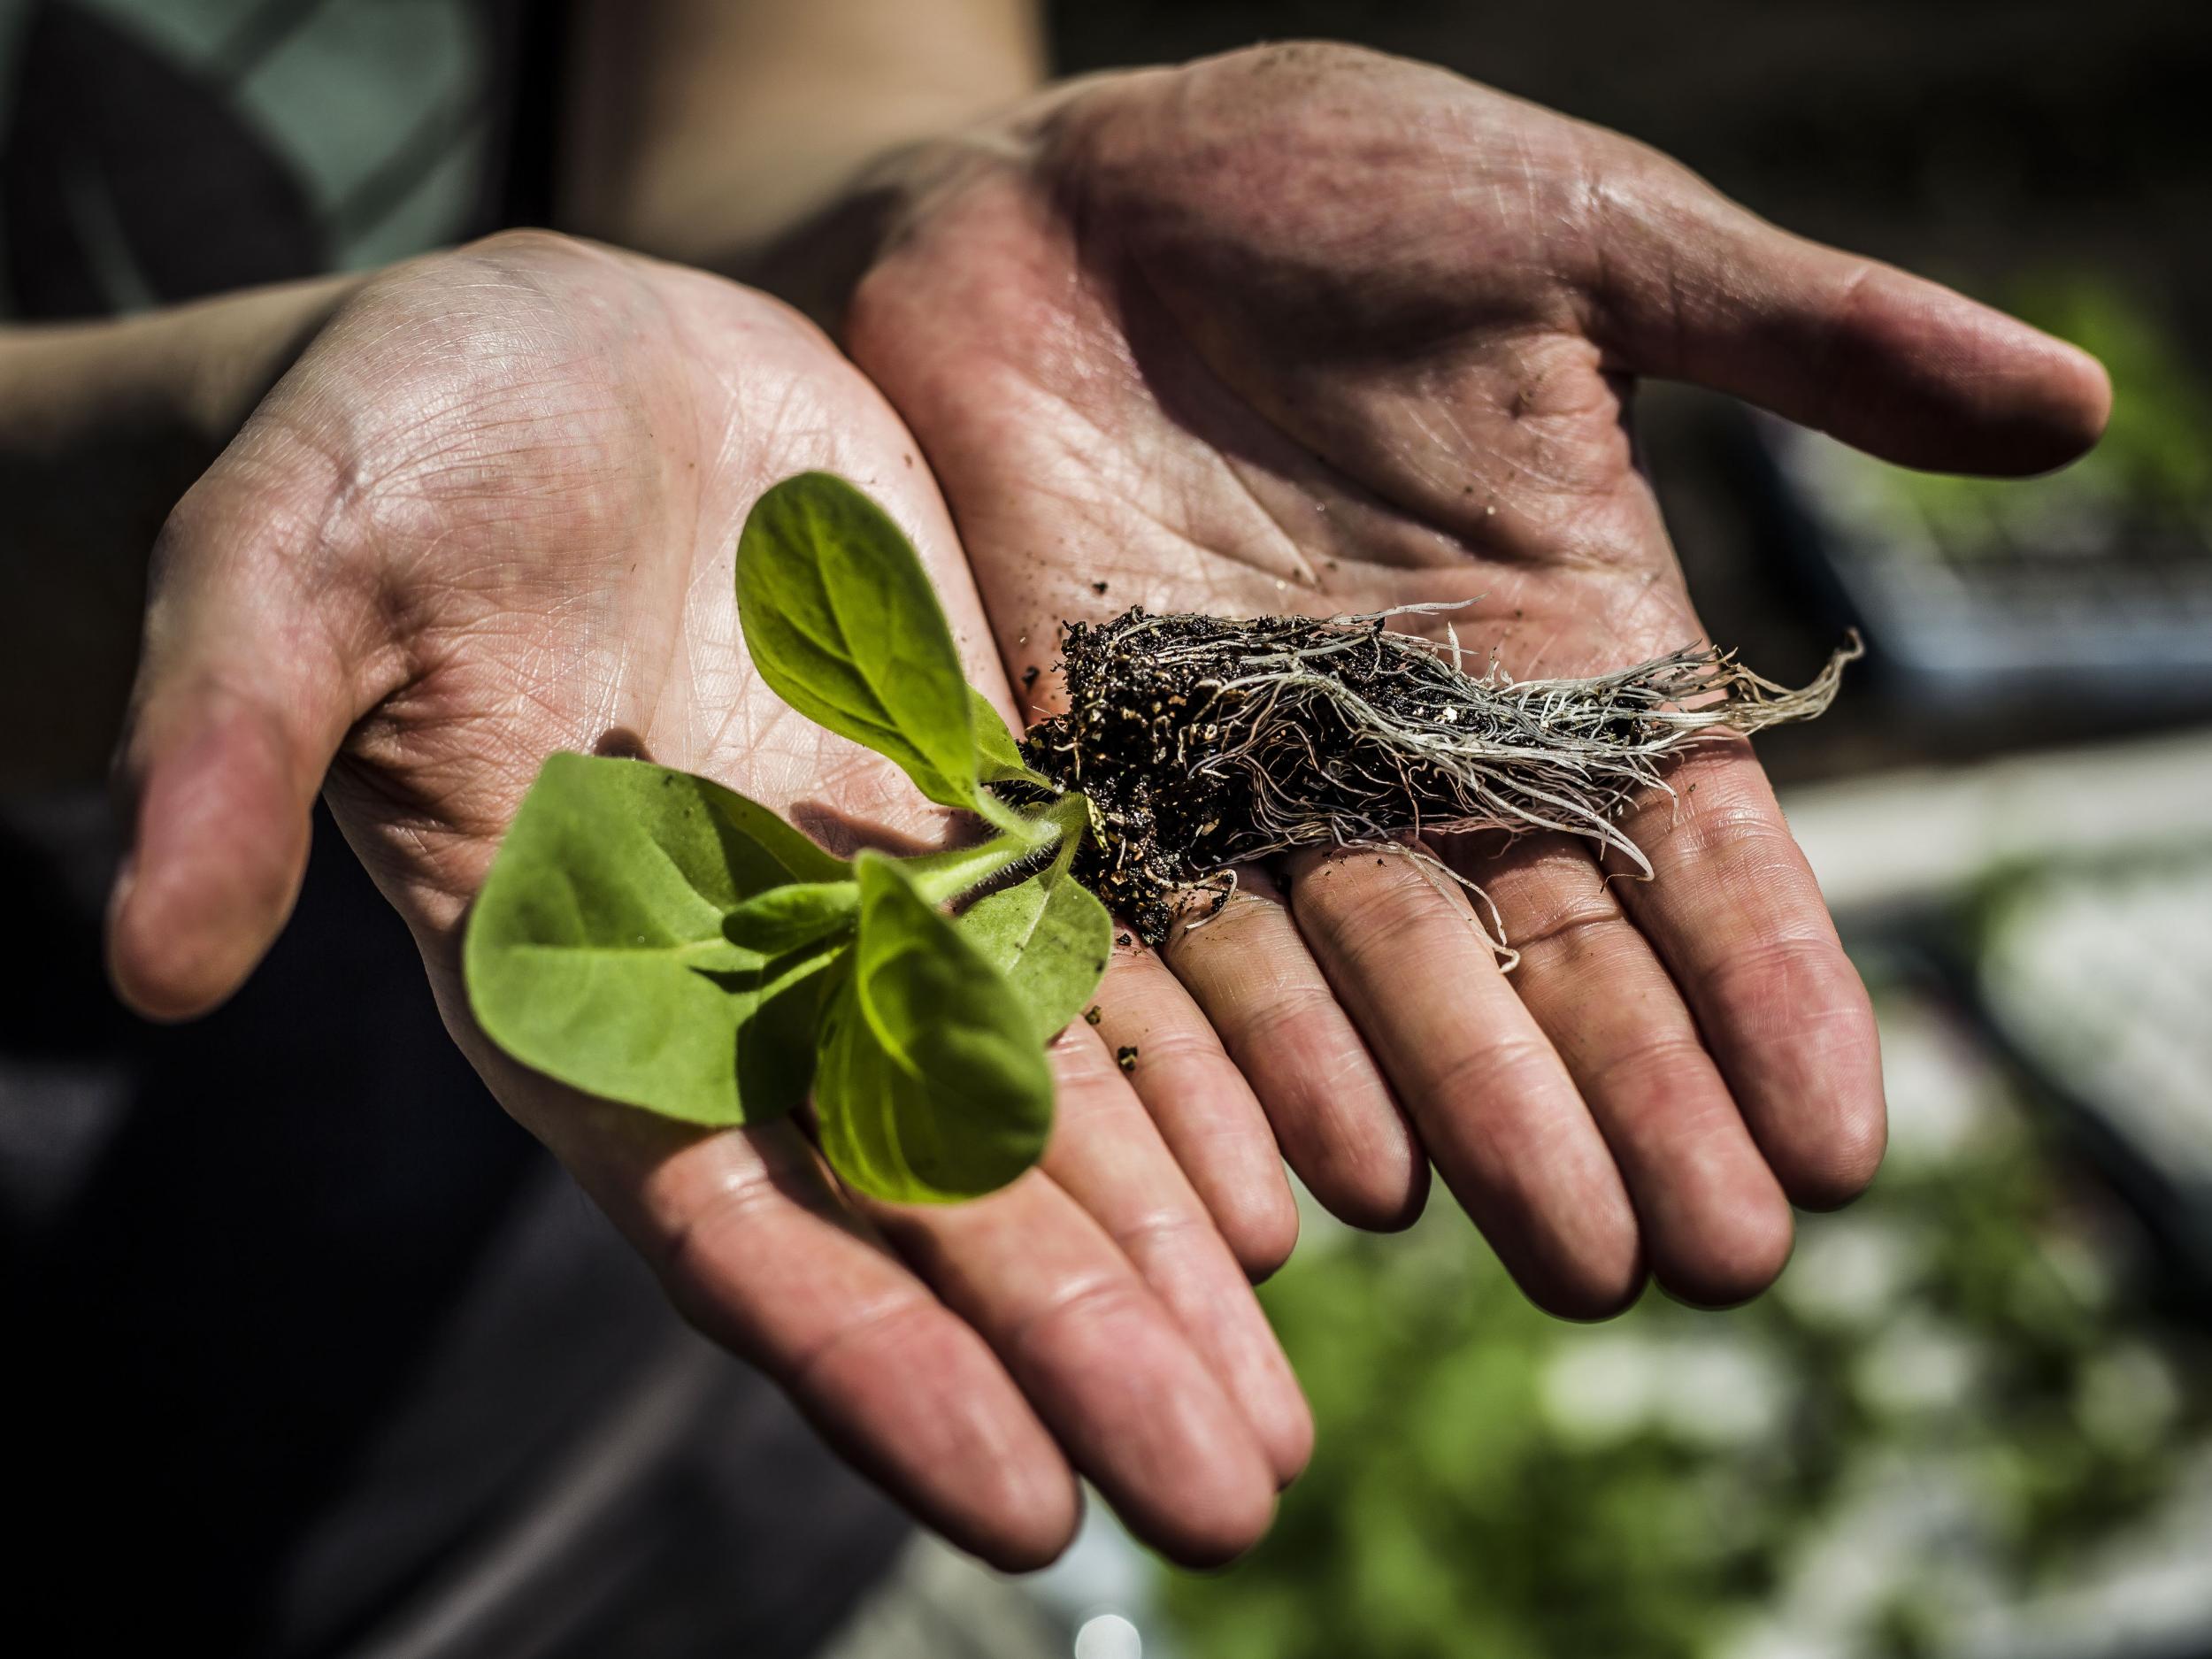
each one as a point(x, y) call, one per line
point(491, 514)
point(1311, 329)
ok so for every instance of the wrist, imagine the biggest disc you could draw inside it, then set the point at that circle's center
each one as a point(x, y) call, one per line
point(815, 259)
point(741, 135)
point(102, 426)
point(151, 393)
point(223, 356)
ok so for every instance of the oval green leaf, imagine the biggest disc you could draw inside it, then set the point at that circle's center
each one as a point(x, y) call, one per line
point(784, 918)
point(1046, 934)
point(998, 754)
point(842, 621)
point(930, 1084)
point(596, 951)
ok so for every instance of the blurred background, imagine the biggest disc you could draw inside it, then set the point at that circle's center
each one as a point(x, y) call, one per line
point(1976, 1416)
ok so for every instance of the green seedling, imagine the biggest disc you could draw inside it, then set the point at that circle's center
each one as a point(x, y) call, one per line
point(656, 939)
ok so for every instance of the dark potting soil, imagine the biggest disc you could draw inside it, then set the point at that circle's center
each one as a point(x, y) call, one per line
point(1154, 705)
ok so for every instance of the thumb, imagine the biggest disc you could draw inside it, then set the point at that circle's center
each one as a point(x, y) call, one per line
point(247, 682)
point(1691, 286)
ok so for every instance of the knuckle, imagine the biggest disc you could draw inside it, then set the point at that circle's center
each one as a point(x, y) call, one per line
point(1102, 1299)
point(1265, 1029)
point(1787, 982)
point(1247, 921)
point(688, 1257)
point(1189, 1047)
point(1569, 928)
point(1729, 817)
point(1162, 1230)
point(1086, 1069)
point(1651, 1060)
point(882, 1335)
point(1503, 1067)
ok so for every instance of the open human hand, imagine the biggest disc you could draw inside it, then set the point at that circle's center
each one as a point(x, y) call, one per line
point(491, 514)
point(1307, 328)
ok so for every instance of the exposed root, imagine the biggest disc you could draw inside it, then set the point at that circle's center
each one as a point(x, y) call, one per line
point(1204, 742)
point(1217, 904)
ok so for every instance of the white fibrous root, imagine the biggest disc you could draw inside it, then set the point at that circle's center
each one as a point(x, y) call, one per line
point(1207, 742)
point(1423, 747)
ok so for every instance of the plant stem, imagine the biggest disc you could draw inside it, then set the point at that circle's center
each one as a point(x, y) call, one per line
point(942, 877)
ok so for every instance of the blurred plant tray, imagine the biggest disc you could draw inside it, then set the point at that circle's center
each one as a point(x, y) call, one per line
point(2087, 604)
point(2064, 897)
point(2095, 976)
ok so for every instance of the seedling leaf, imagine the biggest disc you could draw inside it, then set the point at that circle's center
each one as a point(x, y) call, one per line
point(998, 757)
point(840, 619)
point(596, 951)
point(931, 1085)
point(784, 918)
point(1046, 934)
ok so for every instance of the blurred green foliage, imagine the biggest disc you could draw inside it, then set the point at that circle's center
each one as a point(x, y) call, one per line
point(2154, 464)
point(1948, 1396)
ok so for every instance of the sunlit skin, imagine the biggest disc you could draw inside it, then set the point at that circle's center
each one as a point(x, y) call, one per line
point(1310, 329)
point(491, 514)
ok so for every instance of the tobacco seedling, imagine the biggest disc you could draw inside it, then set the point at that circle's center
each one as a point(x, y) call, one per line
point(654, 938)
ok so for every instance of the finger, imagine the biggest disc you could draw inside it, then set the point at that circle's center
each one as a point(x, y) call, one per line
point(253, 670)
point(1715, 1223)
point(1107, 1156)
point(1493, 1105)
point(1204, 1109)
point(1334, 1117)
point(1734, 912)
point(1100, 1358)
point(756, 1250)
point(1691, 286)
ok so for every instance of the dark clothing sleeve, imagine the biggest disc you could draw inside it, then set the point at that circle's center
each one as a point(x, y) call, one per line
point(310, 1350)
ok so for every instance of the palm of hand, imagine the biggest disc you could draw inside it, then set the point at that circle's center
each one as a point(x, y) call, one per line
point(549, 498)
point(1229, 381)
point(492, 513)
point(1314, 330)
